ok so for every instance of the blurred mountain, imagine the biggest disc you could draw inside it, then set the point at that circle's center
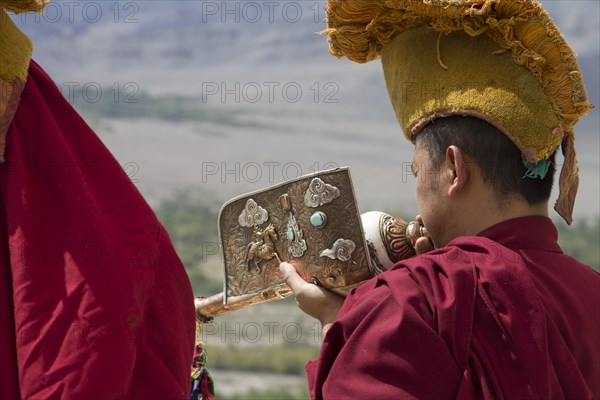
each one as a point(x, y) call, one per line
point(176, 33)
point(150, 40)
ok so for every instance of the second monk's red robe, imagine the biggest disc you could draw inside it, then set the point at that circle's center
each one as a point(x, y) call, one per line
point(501, 315)
point(94, 302)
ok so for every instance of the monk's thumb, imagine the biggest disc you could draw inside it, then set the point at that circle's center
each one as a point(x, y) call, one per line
point(291, 277)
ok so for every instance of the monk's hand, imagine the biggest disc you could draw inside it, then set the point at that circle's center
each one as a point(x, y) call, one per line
point(423, 244)
point(314, 300)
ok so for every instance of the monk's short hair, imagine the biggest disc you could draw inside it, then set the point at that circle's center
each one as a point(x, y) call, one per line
point(499, 160)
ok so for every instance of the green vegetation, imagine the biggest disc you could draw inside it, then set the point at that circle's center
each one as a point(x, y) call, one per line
point(277, 359)
point(581, 241)
point(190, 217)
point(129, 102)
point(273, 393)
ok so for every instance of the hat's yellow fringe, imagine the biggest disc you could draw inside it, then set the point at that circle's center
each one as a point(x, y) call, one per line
point(19, 6)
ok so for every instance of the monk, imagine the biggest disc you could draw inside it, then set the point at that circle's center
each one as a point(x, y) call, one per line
point(95, 304)
point(492, 308)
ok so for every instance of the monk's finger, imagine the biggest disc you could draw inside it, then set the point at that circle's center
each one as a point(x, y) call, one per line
point(423, 245)
point(291, 277)
point(419, 219)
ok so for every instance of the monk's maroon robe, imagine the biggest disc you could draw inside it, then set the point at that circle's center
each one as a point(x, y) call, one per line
point(94, 303)
point(504, 314)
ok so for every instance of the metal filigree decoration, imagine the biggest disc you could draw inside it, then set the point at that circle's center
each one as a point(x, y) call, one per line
point(393, 234)
point(262, 246)
point(342, 250)
point(319, 193)
point(251, 255)
point(253, 215)
point(296, 242)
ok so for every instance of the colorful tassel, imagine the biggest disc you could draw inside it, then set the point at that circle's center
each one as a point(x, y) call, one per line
point(536, 170)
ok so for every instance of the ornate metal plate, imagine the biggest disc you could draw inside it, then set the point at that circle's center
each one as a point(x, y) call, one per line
point(311, 222)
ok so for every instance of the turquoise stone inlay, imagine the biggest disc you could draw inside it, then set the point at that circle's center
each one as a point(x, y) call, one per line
point(318, 219)
point(290, 234)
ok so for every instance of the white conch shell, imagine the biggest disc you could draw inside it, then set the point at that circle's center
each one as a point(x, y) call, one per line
point(371, 222)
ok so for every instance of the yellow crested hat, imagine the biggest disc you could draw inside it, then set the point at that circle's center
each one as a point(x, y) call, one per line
point(500, 60)
point(15, 54)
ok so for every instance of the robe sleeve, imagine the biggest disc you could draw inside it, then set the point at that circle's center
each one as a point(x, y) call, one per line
point(103, 307)
point(384, 345)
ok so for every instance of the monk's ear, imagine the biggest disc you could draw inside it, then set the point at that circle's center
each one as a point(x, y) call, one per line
point(456, 170)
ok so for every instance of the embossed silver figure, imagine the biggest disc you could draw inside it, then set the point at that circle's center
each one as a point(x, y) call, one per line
point(253, 214)
point(262, 246)
point(319, 193)
point(342, 250)
point(296, 242)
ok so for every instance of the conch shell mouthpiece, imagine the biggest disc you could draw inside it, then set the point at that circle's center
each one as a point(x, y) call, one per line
point(390, 239)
